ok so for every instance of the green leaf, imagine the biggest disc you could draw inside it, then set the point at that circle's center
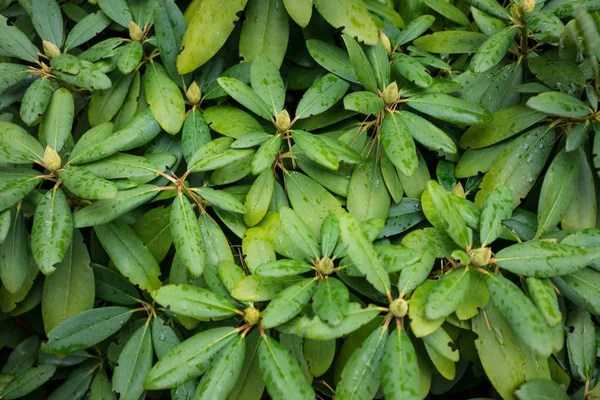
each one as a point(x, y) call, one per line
point(493, 50)
point(297, 230)
point(16, 43)
point(35, 101)
point(105, 104)
point(500, 343)
point(58, 119)
point(447, 294)
point(451, 42)
point(364, 103)
point(299, 10)
point(17, 146)
point(101, 389)
point(135, 360)
point(449, 11)
point(332, 58)
point(437, 200)
point(77, 383)
point(230, 121)
point(11, 74)
point(28, 381)
point(243, 94)
point(362, 253)
point(47, 21)
point(520, 314)
point(380, 63)
point(557, 190)
point(84, 184)
point(519, 165)
point(451, 109)
point(124, 166)
point(117, 10)
point(260, 288)
point(581, 214)
point(113, 287)
point(319, 355)
point(70, 289)
point(265, 31)
point(284, 267)
point(412, 69)
point(85, 329)
point(310, 200)
point(400, 378)
point(440, 342)
point(208, 29)
point(419, 323)
point(88, 77)
point(266, 153)
point(557, 73)
point(427, 133)
point(129, 254)
point(87, 28)
point(352, 15)
point(15, 184)
point(104, 211)
point(360, 64)
point(545, 259)
point(321, 96)
point(14, 255)
point(414, 29)
point(330, 300)
point(581, 344)
point(361, 375)
point(496, 208)
point(398, 144)
point(472, 162)
point(221, 199)
point(543, 295)
point(368, 197)
point(560, 104)
point(186, 235)
point(22, 357)
point(130, 56)
point(101, 143)
point(164, 98)
point(281, 373)
point(315, 149)
point(259, 198)
point(169, 27)
point(249, 385)
point(194, 302)
point(287, 304)
point(222, 375)
point(491, 7)
point(541, 389)
point(267, 83)
point(189, 359)
point(315, 329)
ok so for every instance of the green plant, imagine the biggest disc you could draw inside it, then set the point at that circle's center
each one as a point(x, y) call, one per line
point(212, 227)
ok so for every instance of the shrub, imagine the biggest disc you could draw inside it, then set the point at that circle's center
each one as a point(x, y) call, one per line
point(253, 199)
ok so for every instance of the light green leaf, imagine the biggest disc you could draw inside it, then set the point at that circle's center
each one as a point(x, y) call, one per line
point(299, 10)
point(352, 15)
point(164, 98)
point(332, 58)
point(15, 184)
point(427, 133)
point(496, 208)
point(330, 301)
point(265, 31)
point(85, 329)
point(321, 96)
point(259, 198)
point(194, 302)
point(222, 375)
point(186, 235)
point(451, 42)
point(400, 378)
point(451, 109)
point(447, 294)
point(315, 149)
point(412, 69)
point(105, 104)
point(414, 29)
point(364, 103)
point(117, 10)
point(398, 144)
point(493, 50)
point(135, 360)
point(287, 304)
point(86, 185)
point(35, 101)
point(189, 359)
point(362, 253)
point(58, 119)
point(267, 83)
point(14, 255)
point(360, 64)
point(261, 288)
point(129, 254)
point(541, 389)
point(368, 197)
point(281, 373)
point(243, 94)
point(560, 104)
point(87, 28)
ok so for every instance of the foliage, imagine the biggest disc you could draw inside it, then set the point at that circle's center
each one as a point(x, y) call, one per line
point(283, 199)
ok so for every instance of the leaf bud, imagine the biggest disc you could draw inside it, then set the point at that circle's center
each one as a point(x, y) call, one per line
point(526, 6)
point(135, 32)
point(325, 266)
point(50, 49)
point(282, 121)
point(481, 256)
point(251, 315)
point(193, 94)
point(399, 308)
point(51, 160)
point(386, 42)
point(390, 93)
